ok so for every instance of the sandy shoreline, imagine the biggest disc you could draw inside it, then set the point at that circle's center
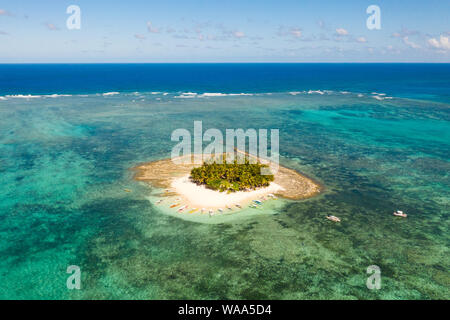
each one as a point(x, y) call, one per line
point(196, 196)
point(174, 178)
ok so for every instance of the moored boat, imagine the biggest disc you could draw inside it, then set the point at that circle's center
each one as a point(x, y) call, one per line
point(400, 213)
point(333, 218)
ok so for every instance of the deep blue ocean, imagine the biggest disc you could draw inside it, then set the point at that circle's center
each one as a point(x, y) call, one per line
point(375, 136)
point(401, 79)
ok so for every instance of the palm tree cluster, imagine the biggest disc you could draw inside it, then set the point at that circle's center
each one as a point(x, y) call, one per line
point(231, 177)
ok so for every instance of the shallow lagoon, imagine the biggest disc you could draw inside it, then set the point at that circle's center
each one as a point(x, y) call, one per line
point(65, 163)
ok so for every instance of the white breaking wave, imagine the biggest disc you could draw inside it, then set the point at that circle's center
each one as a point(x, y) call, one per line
point(21, 96)
point(316, 91)
point(57, 95)
point(294, 93)
point(379, 97)
point(186, 95)
point(213, 94)
point(239, 94)
point(218, 94)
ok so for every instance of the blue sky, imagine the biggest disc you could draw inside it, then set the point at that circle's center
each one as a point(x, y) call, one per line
point(224, 31)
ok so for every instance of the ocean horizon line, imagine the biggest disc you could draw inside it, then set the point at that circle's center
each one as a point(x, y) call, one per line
point(222, 62)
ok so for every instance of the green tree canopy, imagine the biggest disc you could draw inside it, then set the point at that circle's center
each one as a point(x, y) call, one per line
point(231, 177)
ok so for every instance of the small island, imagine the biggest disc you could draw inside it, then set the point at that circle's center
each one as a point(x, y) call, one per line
point(215, 185)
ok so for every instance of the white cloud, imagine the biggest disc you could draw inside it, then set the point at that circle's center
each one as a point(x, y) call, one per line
point(238, 34)
point(341, 31)
point(151, 29)
point(410, 43)
point(296, 32)
point(405, 33)
point(441, 43)
point(289, 31)
point(3, 33)
point(361, 39)
point(139, 36)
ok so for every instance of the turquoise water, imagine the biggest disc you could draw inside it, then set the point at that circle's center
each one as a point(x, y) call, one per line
point(64, 165)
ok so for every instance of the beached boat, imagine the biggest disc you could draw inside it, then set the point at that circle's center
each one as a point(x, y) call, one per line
point(193, 210)
point(257, 201)
point(238, 205)
point(174, 205)
point(399, 213)
point(182, 208)
point(333, 218)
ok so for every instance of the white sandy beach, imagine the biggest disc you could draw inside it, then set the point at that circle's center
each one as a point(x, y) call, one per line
point(201, 197)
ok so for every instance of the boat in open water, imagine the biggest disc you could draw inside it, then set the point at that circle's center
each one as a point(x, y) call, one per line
point(400, 213)
point(334, 218)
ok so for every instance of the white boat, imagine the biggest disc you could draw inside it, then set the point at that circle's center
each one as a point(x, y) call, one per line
point(220, 209)
point(159, 201)
point(182, 208)
point(333, 218)
point(400, 213)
